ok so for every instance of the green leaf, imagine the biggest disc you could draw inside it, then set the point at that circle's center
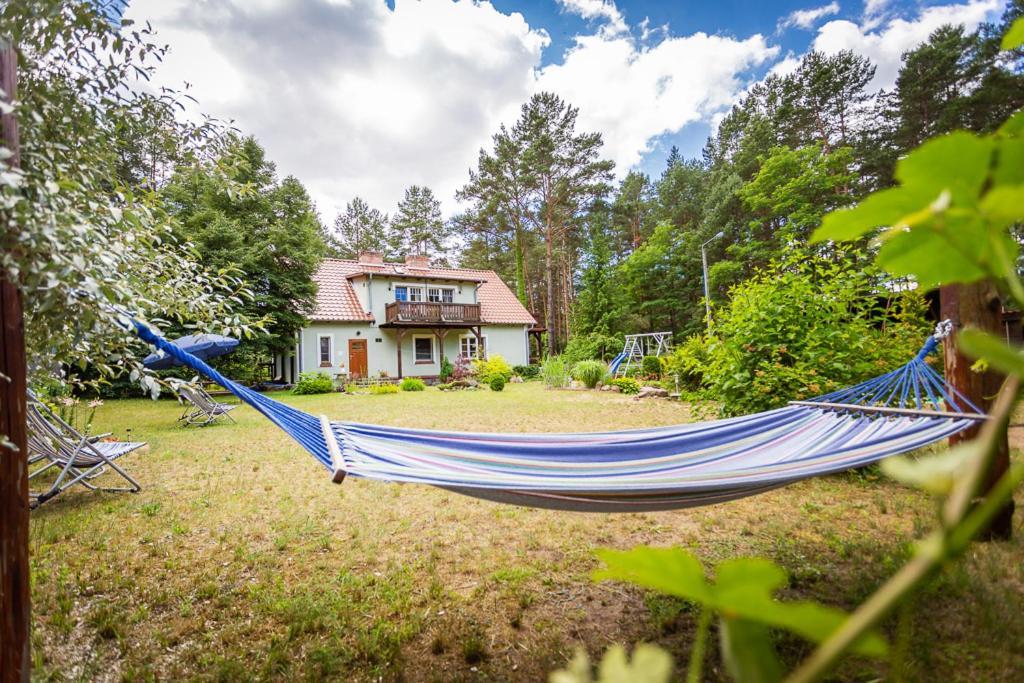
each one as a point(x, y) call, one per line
point(1009, 162)
point(984, 346)
point(935, 474)
point(886, 208)
point(958, 163)
point(748, 652)
point(669, 570)
point(1014, 37)
point(1004, 205)
point(932, 258)
point(650, 664)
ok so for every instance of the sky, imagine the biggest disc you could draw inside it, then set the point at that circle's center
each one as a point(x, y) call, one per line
point(366, 97)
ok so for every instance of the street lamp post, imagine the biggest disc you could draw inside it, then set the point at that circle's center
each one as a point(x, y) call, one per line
point(704, 260)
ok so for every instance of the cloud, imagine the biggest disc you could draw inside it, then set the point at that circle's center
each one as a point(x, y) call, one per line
point(633, 93)
point(602, 10)
point(352, 97)
point(885, 43)
point(807, 18)
point(358, 99)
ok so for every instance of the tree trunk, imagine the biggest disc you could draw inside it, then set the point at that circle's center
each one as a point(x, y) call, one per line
point(549, 268)
point(977, 305)
point(15, 615)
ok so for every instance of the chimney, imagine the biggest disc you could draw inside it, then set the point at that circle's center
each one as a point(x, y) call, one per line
point(417, 261)
point(371, 257)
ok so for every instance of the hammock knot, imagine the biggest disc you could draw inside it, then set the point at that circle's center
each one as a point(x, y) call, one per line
point(943, 329)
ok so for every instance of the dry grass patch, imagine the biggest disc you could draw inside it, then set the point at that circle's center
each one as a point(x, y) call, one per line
point(240, 560)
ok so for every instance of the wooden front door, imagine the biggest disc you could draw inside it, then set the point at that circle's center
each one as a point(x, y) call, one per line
point(357, 358)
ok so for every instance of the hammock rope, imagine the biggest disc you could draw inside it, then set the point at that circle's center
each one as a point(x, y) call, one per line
point(641, 469)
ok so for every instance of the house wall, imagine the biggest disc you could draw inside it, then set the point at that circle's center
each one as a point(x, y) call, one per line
point(508, 341)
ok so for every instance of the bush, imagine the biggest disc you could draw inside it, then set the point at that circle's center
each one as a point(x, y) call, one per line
point(497, 383)
point(593, 346)
point(526, 371)
point(314, 383)
point(555, 372)
point(379, 389)
point(626, 385)
point(445, 373)
point(412, 384)
point(463, 368)
point(590, 372)
point(688, 362)
point(651, 366)
point(495, 366)
point(803, 328)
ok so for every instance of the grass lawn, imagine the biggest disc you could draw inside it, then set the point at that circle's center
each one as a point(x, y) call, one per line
point(241, 560)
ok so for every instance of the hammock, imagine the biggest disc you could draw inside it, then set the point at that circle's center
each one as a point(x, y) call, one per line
point(637, 470)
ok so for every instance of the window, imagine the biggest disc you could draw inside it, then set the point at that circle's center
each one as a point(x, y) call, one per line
point(440, 295)
point(468, 346)
point(411, 293)
point(423, 349)
point(324, 343)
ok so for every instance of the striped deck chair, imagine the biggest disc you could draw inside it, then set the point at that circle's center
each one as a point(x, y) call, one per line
point(77, 458)
point(200, 408)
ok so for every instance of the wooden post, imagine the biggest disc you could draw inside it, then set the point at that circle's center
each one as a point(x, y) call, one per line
point(399, 333)
point(14, 572)
point(977, 305)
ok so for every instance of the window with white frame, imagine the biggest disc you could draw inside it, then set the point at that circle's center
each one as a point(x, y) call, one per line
point(411, 293)
point(423, 349)
point(324, 343)
point(469, 347)
point(440, 295)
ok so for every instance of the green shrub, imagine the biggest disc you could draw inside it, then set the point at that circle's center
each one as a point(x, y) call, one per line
point(651, 366)
point(351, 388)
point(314, 383)
point(688, 362)
point(378, 389)
point(806, 327)
point(626, 385)
point(445, 373)
point(412, 384)
point(526, 371)
point(497, 383)
point(593, 346)
point(494, 366)
point(555, 372)
point(590, 372)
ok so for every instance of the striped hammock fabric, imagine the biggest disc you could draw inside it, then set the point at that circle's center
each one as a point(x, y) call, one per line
point(643, 469)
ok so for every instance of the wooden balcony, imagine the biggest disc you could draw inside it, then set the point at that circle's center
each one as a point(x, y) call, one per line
point(412, 314)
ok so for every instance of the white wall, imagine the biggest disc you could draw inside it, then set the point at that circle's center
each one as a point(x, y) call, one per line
point(509, 341)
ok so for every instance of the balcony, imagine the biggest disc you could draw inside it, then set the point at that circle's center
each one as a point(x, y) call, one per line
point(411, 314)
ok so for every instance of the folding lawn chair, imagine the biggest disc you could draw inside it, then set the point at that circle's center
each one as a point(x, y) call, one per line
point(201, 409)
point(78, 458)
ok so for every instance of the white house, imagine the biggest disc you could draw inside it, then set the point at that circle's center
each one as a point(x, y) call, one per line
point(376, 319)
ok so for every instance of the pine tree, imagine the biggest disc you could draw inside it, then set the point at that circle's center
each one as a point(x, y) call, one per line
point(361, 229)
point(417, 226)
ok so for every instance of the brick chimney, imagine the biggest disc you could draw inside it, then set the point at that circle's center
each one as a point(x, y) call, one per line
point(371, 257)
point(417, 261)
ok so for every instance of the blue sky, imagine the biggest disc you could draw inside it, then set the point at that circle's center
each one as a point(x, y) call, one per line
point(365, 97)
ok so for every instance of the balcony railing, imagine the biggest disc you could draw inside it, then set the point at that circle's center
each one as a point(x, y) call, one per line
point(431, 313)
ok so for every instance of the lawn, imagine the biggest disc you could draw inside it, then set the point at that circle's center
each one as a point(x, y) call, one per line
point(241, 560)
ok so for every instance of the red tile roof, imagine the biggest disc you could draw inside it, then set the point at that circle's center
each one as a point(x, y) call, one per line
point(337, 301)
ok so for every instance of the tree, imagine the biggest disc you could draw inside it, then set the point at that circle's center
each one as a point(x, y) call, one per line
point(361, 229)
point(418, 226)
point(563, 173)
point(86, 239)
point(631, 211)
point(270, 233)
